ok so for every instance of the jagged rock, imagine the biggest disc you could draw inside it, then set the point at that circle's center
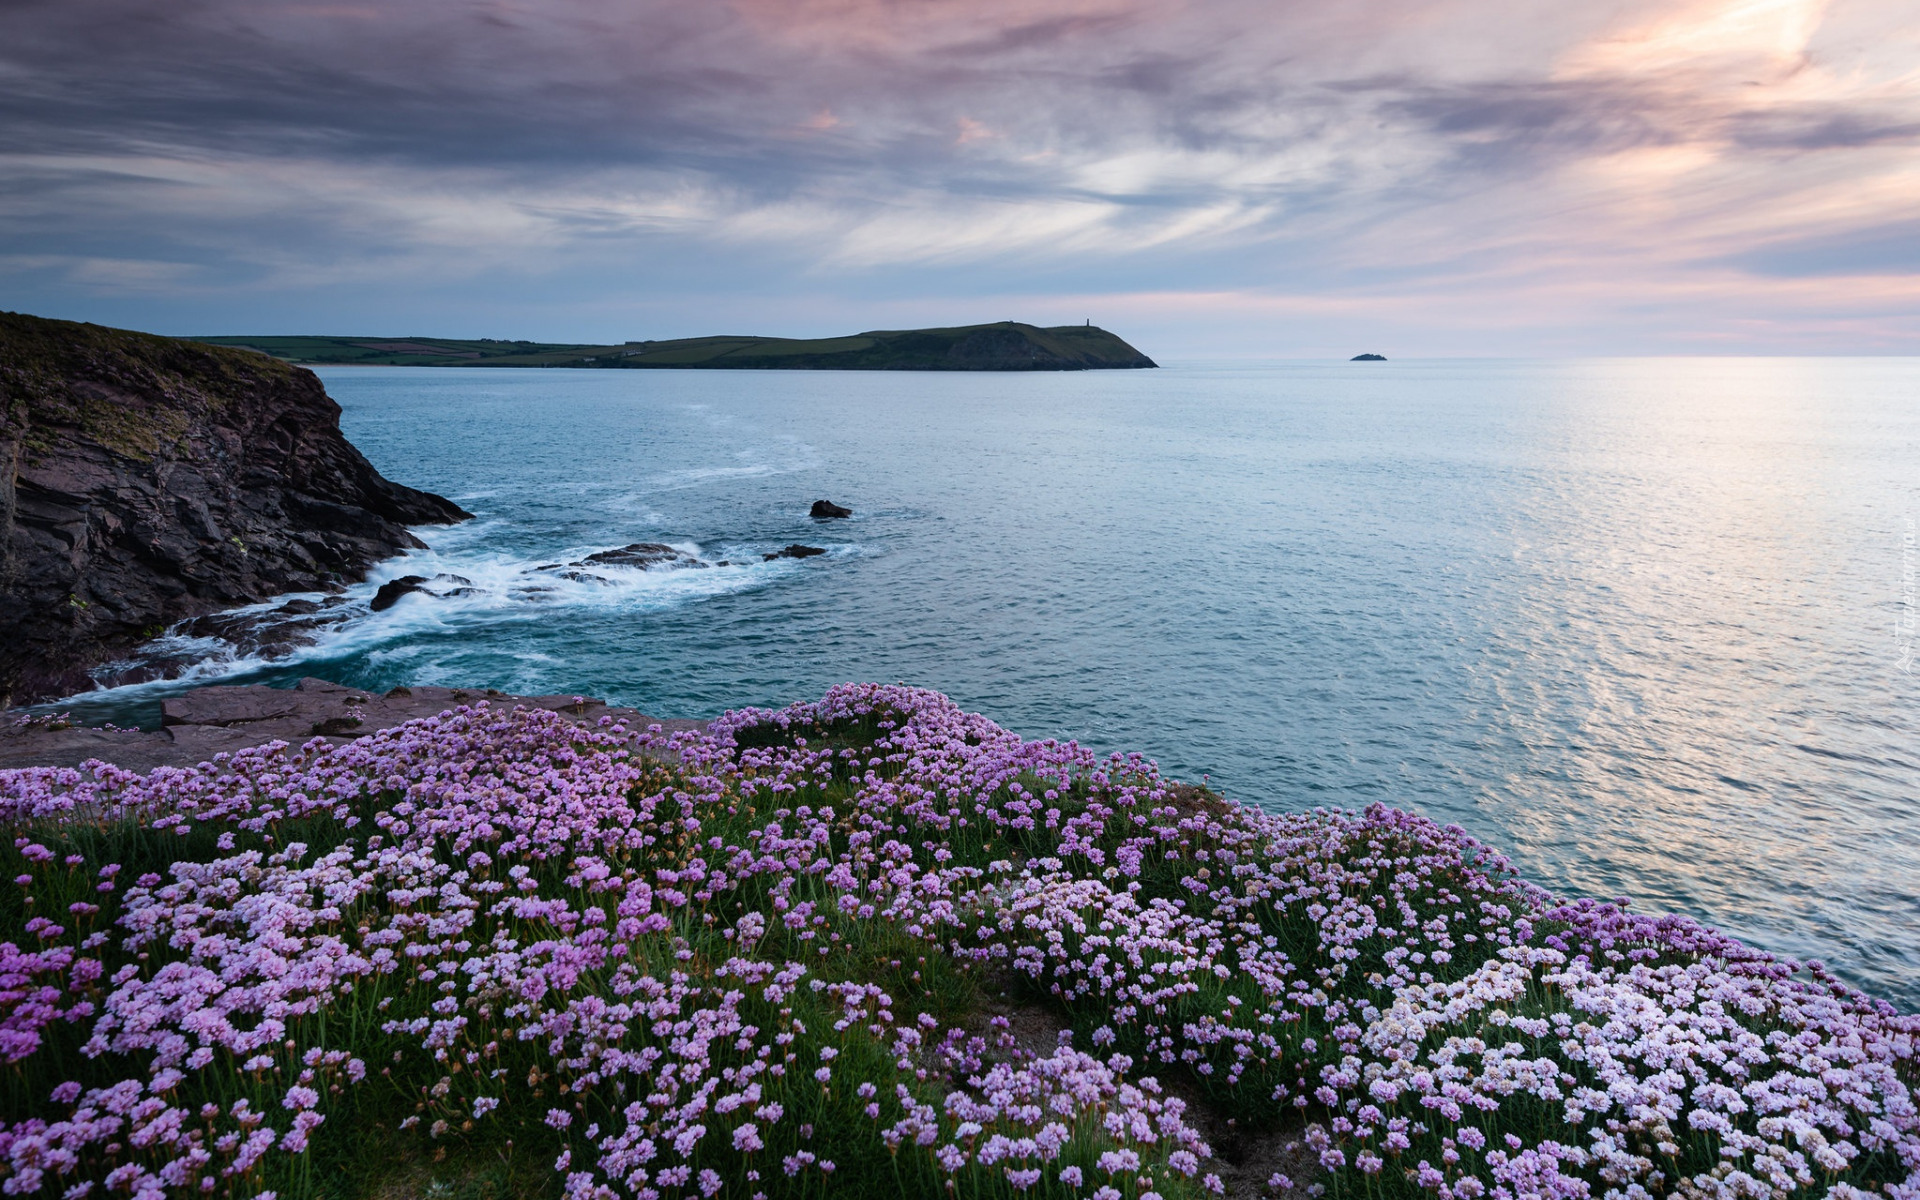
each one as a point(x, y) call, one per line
point(1368, 358)
point(637, 554)
point(644, 555)
point(391, 591)
point(145, 481)
point(795, 551)
point(827, 509)
point(270, 634)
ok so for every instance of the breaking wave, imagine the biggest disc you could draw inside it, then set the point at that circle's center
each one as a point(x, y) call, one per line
point(461, 584)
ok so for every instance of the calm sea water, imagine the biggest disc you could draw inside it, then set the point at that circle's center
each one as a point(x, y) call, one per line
point(1644, 625)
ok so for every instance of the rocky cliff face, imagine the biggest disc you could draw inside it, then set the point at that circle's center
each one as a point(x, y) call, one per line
point(145, 479)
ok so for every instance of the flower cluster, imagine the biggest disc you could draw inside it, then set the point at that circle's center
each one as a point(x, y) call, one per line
point(745, 960)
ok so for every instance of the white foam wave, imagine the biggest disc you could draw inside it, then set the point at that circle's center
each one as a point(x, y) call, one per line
point(470, 586)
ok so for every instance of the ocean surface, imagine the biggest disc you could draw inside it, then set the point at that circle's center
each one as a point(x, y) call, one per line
point(1647, 626)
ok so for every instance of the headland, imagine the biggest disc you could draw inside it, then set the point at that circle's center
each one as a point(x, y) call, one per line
point(1001, 346)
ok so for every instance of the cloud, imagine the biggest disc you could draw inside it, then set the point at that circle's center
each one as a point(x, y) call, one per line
point(1367, 153)
point(1883, 250)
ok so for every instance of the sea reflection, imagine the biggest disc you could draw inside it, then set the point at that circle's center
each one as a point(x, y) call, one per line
point(1688, 578)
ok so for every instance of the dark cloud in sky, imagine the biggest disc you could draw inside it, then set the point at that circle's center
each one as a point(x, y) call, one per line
point(582, 167)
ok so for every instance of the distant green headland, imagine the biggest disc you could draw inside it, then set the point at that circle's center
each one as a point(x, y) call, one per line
point(1004, 346)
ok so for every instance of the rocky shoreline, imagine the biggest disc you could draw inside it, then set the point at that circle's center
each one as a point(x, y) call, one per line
point(147, 480)
point(208, 721)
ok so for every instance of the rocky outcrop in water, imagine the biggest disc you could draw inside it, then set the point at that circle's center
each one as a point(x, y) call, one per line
point(407, 585)
point(145, 480)
point(795, 551)
point(645, 556)
point(828, 510)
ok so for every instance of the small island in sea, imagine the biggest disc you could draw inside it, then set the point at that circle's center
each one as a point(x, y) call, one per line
point(1002, 346)
point(1368, 358)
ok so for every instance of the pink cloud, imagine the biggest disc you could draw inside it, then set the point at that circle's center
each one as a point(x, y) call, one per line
point(1723, 150)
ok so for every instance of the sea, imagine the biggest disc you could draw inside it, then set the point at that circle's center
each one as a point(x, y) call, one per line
point(1646, 626)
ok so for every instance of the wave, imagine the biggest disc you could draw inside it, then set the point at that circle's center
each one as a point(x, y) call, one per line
point(458, 584)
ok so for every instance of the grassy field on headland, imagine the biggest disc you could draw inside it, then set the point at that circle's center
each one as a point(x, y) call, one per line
point(1004, 345)
point(871, 945)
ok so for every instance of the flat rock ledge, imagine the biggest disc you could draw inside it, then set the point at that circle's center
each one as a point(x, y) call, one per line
point(212, 720)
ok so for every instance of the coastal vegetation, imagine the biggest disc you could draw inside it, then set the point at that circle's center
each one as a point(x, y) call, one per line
point(1002, 346)
point(871, 945)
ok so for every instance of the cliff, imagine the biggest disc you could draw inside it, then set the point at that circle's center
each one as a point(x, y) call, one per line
point(1003, 346)
point(146, 479)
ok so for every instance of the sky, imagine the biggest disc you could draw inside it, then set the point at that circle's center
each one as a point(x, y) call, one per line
point(1208, 178)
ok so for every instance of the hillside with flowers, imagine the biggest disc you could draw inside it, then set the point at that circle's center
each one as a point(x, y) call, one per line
point(871, 945)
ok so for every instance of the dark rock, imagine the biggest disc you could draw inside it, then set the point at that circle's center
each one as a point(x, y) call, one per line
point(271, 634)
point(146, 481)
point(645, 555)
point(825, 509)
point(399, 692)
point(335, 726)
point(795, 551)
point(459, 579)
point(391, 591)
point(637, 554)
point(1368, 358)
